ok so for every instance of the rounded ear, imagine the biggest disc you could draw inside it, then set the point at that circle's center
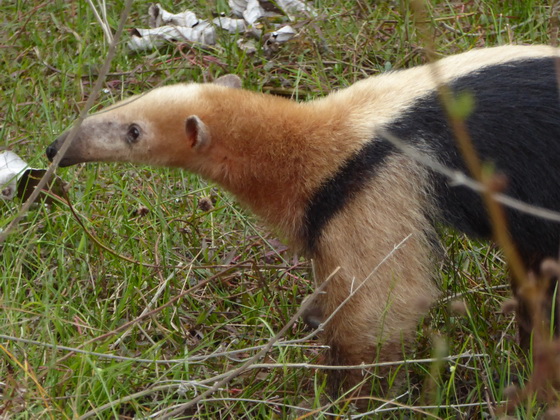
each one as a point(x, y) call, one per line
point(229, 80)
point(198, 134)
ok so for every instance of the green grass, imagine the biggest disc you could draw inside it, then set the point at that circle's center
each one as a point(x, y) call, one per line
point(59, 288)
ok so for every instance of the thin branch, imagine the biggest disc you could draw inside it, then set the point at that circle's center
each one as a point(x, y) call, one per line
point(196, 359)
point(130, 397)
point(203, 383)
point(421, 407)
point(385, 402)
point(486, 34)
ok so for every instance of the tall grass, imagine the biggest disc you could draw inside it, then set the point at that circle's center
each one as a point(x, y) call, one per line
point(168, 231)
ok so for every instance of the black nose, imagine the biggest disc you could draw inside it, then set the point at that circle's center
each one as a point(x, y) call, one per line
point(51, 152)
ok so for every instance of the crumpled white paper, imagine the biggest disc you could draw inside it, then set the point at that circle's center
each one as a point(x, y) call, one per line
point(253, 12)
point(290, 7)
point(143, 39)
point(17, 179)
point(283, 34)
point(296, 7)
point(231, 25)
point(159, 16)
point(11, 169)
point(185, 26)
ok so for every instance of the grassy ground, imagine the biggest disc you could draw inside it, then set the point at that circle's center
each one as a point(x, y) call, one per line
point(167, 231)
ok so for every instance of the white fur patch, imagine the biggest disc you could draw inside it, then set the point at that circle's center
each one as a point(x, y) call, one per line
point(174, 93)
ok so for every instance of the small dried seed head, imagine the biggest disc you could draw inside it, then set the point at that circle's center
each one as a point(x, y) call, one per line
point(205, 204)
point(142, 211)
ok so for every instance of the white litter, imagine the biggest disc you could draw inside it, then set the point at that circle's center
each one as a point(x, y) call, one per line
point(159, 16)
point(296, 7)
point(253, 12)
point(143, 39)
point(17, 179)
point(187, 27)
point(283, 34)
point(12, 168)
point(238, 6)
point(233, 26)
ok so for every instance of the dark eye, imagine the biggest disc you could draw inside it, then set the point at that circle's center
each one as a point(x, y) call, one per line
point(133, 134)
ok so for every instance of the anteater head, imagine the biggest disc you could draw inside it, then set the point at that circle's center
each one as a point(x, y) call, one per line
point(162, 127)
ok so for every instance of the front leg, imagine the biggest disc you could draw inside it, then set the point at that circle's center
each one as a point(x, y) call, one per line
point(384, 246)
point(370, 324)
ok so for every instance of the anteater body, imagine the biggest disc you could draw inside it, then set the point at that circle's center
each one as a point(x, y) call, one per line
point(324, 175)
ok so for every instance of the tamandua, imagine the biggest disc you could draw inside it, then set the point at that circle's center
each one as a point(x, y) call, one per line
point(323, 174)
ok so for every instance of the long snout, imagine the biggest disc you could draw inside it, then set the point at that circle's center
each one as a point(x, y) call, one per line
point(70, 157)
point(52, 150)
